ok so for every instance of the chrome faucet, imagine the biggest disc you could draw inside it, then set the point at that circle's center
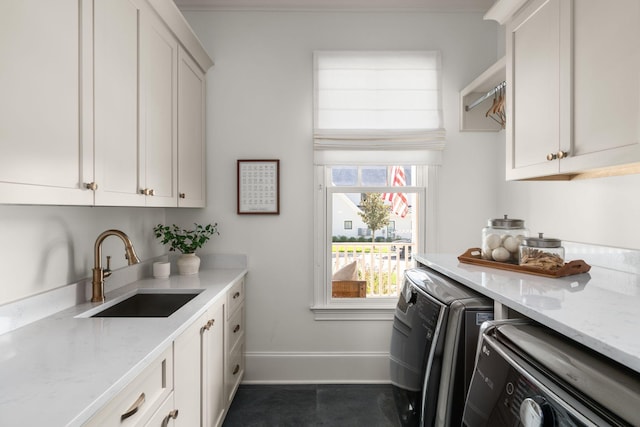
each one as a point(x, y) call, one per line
point(99, 274)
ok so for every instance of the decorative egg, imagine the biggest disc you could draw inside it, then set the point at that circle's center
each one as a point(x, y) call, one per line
point(500, 254)
point(492, 241)
point(511, 244)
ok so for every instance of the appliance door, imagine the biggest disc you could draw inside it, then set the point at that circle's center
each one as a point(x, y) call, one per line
point(508, 391)
point(418, 327)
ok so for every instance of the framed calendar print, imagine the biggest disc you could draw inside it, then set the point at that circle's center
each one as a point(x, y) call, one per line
point(259, 187)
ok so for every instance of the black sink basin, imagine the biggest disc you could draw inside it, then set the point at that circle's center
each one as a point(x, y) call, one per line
point(148, 305)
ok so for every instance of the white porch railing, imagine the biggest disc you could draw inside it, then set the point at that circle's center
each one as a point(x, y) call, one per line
point(381, 264)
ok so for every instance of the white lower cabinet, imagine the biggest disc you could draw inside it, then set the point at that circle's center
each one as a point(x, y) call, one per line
point(187, 373)
point(193, 382)
point(138, 402)
point(213, 355)
point(199, 364)
point(234, 340)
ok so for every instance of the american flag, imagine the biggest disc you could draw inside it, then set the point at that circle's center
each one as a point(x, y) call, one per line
point(399, 204)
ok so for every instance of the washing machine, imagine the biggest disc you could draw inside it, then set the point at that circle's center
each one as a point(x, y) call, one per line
point(527, 375)
point(433, 346)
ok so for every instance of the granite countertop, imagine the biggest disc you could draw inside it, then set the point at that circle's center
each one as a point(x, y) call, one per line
point(60, 370)
point(599, 309)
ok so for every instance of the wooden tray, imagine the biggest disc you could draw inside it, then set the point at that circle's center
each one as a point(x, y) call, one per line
point(472, 256)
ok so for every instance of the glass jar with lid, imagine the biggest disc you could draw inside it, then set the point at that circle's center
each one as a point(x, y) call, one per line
point(501, 239)
point(542, 252)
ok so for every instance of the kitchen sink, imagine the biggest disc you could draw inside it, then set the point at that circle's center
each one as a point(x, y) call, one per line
point(145, 303)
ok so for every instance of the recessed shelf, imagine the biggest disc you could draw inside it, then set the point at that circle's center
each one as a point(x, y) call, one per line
point(476, 119)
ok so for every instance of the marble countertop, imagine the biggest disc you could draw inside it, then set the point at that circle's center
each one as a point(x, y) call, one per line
point(600, 309)
point(60, 370)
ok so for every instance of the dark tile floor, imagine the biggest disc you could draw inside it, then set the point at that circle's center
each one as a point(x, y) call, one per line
point(313, 405)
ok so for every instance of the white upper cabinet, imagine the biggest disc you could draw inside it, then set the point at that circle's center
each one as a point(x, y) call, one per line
point(538, 51)
point(117, 148)
point(90, 102)
point(191, 133)
point(573, 81)
point(606, 81)
point(158, 115)
point(45, 155)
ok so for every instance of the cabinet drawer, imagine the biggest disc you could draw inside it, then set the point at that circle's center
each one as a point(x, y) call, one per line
point(235, 296)
point(234, 372)
point(235, 327)
point(165, 415)
point(135, 405)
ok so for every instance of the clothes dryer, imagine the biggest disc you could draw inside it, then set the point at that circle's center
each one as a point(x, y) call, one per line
point(433, 345)
point(527, 375)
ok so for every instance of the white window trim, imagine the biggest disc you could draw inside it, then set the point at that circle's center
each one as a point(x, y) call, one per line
point(324, 306)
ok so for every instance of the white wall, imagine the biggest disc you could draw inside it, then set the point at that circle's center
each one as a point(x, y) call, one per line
point(45, 247)
point(260, 106)
point(603, 211)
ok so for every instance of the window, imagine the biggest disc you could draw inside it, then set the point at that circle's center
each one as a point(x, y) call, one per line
point(377, 142)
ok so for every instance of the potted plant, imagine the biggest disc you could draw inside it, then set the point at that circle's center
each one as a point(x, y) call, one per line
point(185, 241)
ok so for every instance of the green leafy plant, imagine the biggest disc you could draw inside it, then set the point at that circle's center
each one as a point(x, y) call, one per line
point(183, 240)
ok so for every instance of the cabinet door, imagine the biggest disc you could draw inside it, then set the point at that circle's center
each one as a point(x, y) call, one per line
point(539, 93)
point(606, 84)
point(45, 145)
point(213, 403)
point(116, 75)
point(191, 133)
point(158, 121)
point(188, 375)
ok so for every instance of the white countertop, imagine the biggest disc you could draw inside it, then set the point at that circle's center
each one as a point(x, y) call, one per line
point(600, 309)
point(60, 370)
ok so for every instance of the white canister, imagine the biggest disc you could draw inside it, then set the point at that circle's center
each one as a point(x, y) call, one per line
point(161, 270)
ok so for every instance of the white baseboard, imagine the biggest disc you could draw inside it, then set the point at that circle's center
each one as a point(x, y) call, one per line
point(317, 368)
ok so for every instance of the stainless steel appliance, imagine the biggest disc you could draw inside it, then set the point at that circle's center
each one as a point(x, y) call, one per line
point(527, 375)
point(433, 344)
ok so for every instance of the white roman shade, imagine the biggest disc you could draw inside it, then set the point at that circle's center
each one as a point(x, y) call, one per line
point(377, 101)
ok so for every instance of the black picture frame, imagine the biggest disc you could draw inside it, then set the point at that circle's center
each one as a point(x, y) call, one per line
point(258, 183)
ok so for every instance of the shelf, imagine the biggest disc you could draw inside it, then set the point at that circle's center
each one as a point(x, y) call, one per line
point(475, 119)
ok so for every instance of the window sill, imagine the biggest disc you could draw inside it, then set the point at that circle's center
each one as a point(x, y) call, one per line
point(353, 312)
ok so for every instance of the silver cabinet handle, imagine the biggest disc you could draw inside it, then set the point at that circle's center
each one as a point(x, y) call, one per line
point(134, 408)
point(91, 186)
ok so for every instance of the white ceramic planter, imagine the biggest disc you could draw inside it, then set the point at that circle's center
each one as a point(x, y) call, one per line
point(188, 264)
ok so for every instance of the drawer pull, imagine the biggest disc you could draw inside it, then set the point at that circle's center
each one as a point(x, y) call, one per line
point(236, 295)
point(172, 415)
point(236, 329)
point(207, 326)
point(134, 408)
point(236, 369)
